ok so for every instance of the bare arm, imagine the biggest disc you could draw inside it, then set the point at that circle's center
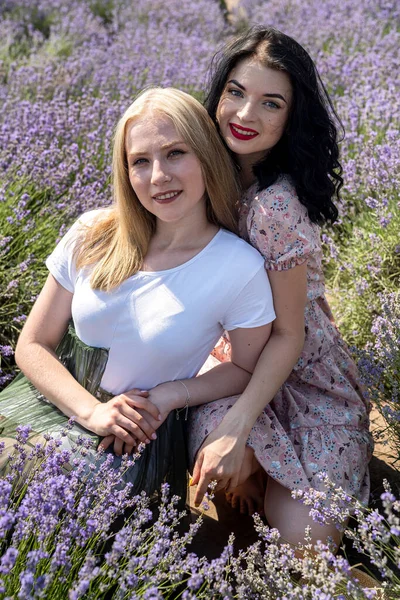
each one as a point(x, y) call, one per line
point(282, 350)
point(222, 453)
point(226, 379)
point(35, 355)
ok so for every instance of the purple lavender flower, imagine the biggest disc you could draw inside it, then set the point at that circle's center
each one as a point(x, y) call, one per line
point(8, 559)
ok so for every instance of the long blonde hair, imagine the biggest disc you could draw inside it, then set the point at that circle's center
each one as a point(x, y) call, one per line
point(117, 243)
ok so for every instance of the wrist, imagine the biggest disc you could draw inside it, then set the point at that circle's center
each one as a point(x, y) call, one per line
point(238, 424)
point(185, 408)
point(171, 395)
point(181, 394)
point(84, 414)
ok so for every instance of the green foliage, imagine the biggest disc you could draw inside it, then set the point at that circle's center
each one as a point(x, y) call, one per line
point(368, 263)
point(379, 365)
point(103, 9)
point(28, 229)
point(59, 47)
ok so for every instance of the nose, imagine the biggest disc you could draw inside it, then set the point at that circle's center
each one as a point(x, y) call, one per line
point(245, 113)
point(159, 174)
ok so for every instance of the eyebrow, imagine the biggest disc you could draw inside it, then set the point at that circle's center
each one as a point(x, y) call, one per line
point(239, 85)
point(174, 143)
point(163, 147)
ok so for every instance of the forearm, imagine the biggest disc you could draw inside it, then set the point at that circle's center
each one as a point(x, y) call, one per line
point(40, 364)
point(273, 368)
point(225, 379)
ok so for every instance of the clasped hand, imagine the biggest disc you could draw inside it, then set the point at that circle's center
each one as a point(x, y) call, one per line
point(126, 420)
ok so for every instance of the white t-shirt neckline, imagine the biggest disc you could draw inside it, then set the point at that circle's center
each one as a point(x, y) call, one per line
point(185, 264)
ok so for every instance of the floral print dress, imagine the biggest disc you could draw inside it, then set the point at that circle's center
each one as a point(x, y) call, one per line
point(318, 421)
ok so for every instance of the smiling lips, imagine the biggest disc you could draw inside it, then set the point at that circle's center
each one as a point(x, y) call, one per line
point(242, 133)
point(167, 197)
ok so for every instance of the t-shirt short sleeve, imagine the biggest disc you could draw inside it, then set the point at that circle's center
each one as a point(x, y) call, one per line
point(279, 227)
point(61, 263)
point(253, 306)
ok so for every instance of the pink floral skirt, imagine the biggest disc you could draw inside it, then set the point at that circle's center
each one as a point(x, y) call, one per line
point(317, 422)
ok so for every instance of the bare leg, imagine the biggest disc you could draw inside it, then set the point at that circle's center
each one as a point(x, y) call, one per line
point(248, 496)
point(291, 517)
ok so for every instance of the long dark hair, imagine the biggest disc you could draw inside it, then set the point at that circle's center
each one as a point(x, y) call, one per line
point(308, 150)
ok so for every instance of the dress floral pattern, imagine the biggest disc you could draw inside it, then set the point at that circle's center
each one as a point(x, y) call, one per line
point(318, 421)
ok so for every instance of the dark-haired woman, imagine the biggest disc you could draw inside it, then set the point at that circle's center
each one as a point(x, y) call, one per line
point(303, 412)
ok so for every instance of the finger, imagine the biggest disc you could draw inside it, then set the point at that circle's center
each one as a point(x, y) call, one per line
point(197, 469)
point(232, 483)
point(106, 442)
point(146, 404)
point(221, 484)
point(123, 434)
point(155, 424)
point(139, 418)
point(128, 449)
point(142, 432)
point(201, 489)
point(137, 392)
point(118, 446)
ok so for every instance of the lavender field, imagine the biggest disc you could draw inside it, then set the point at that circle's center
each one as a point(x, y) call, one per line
point(67, 72)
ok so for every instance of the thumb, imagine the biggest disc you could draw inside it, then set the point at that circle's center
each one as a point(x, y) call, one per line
point(197, 469)
point(137, 392)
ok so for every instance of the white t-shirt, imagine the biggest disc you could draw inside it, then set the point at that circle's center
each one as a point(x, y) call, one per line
point(161, 326)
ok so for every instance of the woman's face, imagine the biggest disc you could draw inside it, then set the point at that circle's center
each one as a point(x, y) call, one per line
point(254, 108)
point(164, 171)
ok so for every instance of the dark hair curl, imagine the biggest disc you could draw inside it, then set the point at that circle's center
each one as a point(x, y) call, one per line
point(308, 149)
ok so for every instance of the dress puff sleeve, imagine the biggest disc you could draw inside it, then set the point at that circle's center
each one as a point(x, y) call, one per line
point(279, 227)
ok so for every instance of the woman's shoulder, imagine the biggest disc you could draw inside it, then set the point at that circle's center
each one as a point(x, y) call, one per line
point(83, 223)
point(278, 205)
point(92, 216)
point(279, 226)
point(280, 198)
point(234, 244)
point(73, 235)
point(232, 256)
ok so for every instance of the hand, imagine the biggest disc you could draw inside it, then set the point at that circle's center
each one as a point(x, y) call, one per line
point(220, 458)
point(159, 398)
point(166, 397)
point(121, 417)
point(121, 447)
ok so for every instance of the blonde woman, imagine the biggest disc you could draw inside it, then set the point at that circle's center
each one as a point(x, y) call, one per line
point(135, 279)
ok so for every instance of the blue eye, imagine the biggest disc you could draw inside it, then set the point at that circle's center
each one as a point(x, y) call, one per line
point(271, 104)
point(176, 153)
point(235, 92)
point(139, 161)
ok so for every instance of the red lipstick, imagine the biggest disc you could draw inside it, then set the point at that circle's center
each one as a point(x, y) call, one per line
point(237, 129)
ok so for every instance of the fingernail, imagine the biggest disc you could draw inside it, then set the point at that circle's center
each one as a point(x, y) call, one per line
point(147, 441)
point(191, 481)
point(153, 435)
point(143, 391)
point(197, 504)
point(159, 417)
